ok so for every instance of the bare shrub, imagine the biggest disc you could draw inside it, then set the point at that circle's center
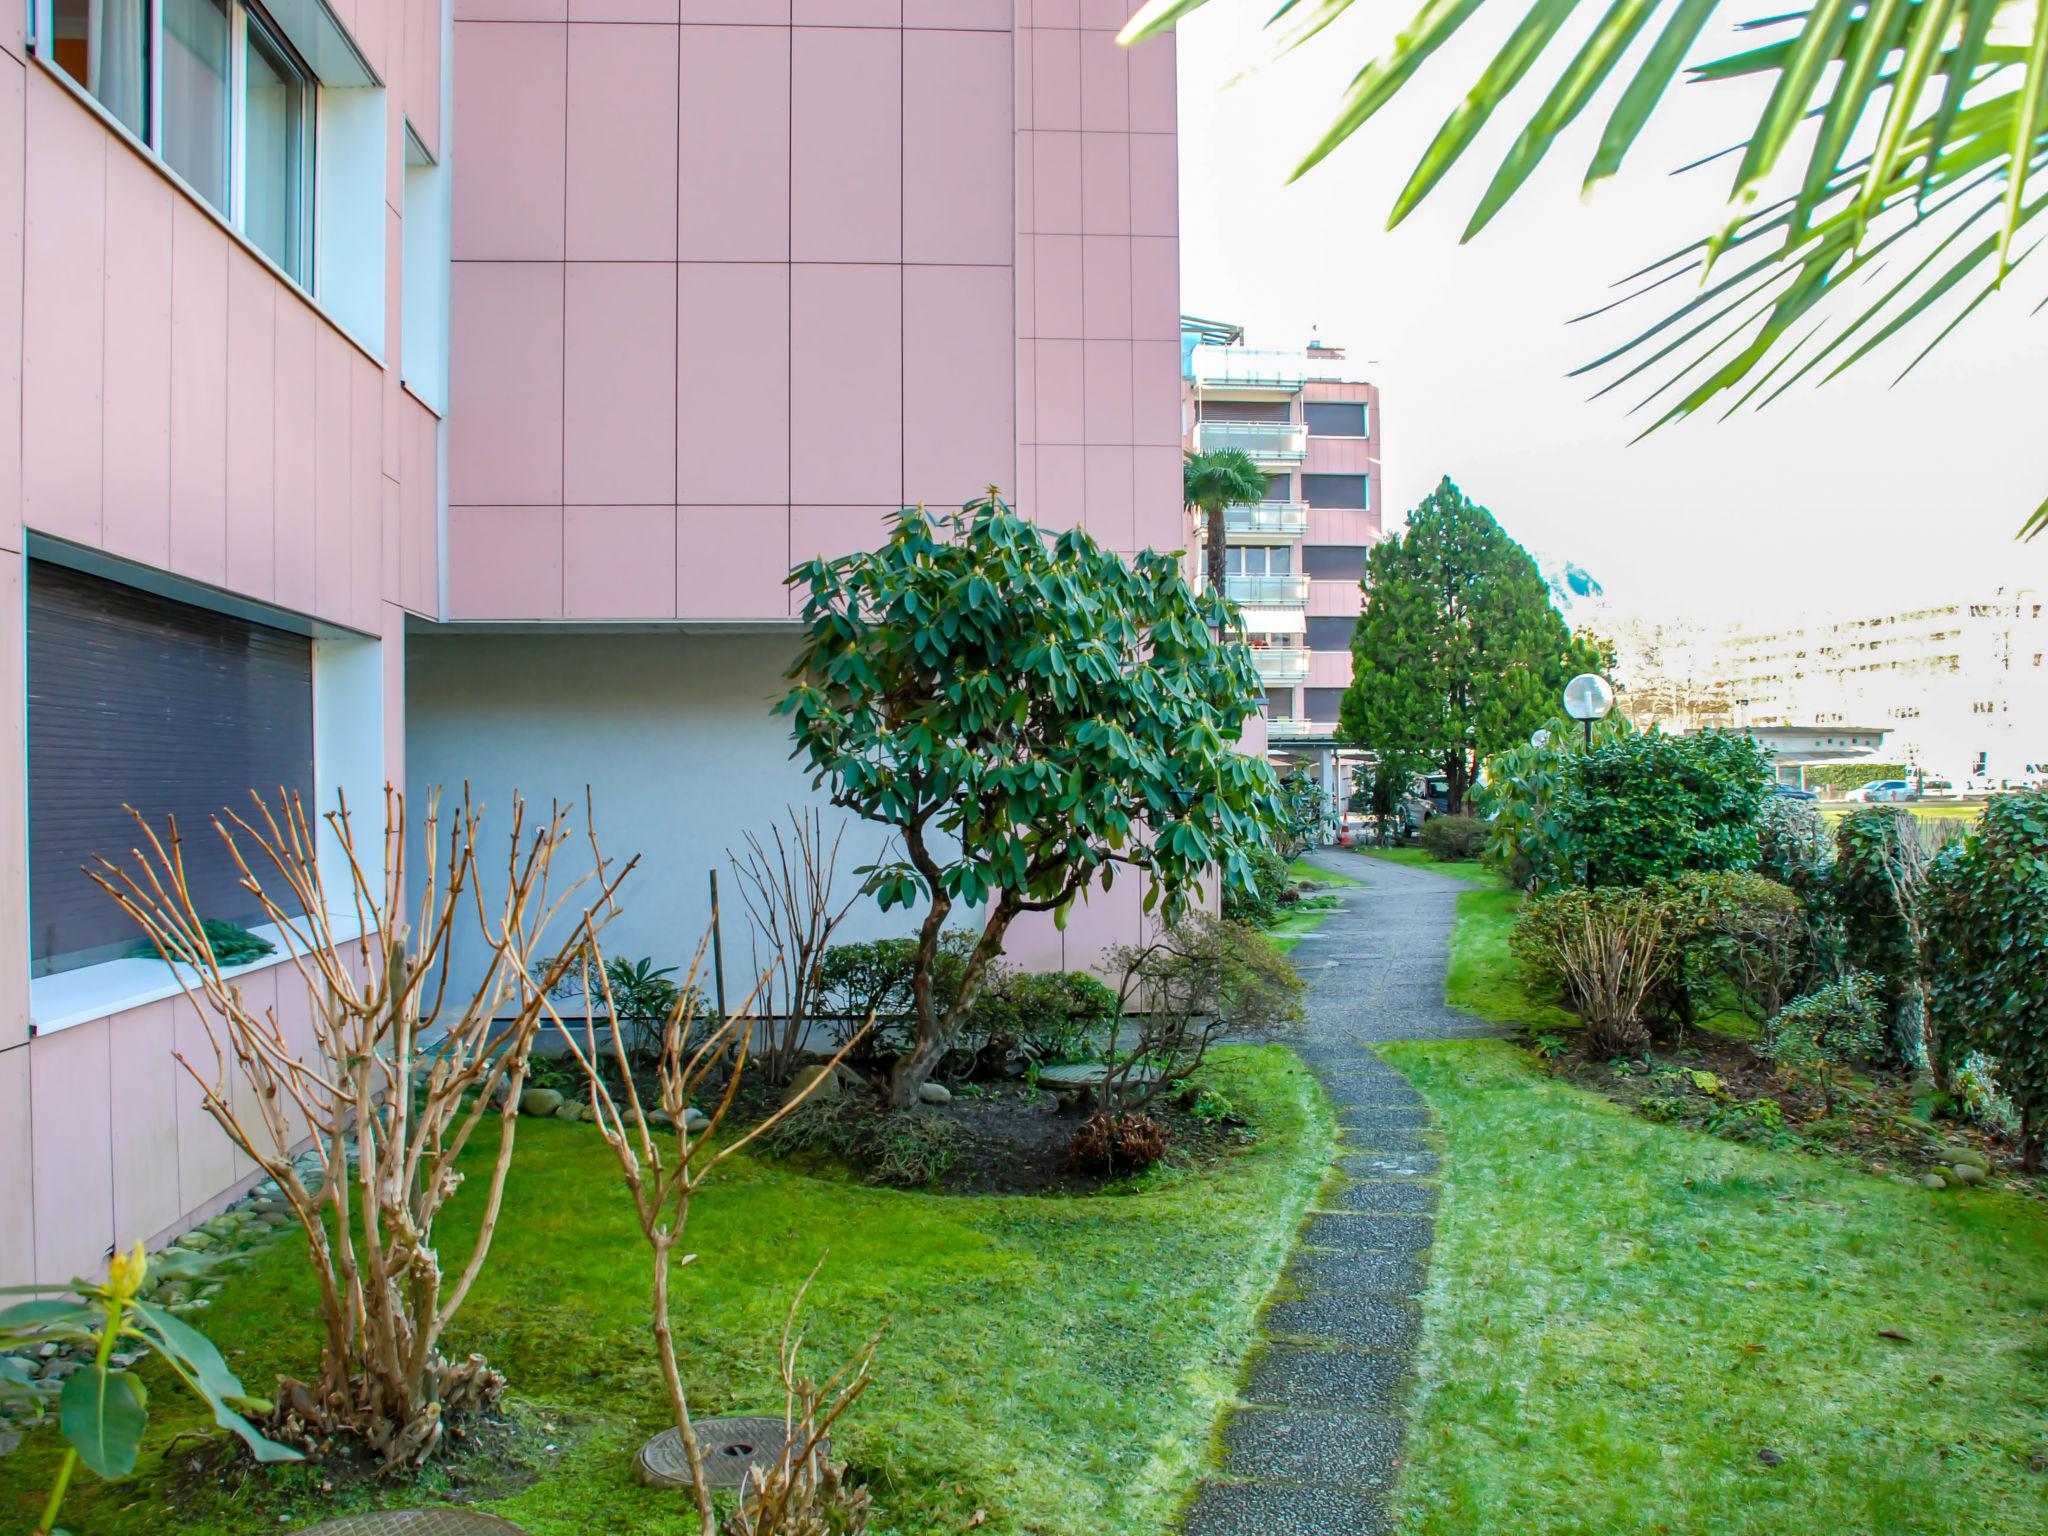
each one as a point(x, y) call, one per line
point(663, 1163)
point(1191, 984)
point(1117, 1141)
point(403, 1072)
point(1605, 949)
point(786, 888)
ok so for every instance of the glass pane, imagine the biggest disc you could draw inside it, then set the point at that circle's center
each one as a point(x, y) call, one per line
point(1280, 559)
point(275, 181)
point(196, 95)
point(104, 46)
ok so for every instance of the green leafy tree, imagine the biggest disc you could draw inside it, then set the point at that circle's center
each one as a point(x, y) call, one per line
point(1030, 715)
point(1988, 922)
point(1458, 653)
point(1212, 483)
point(1923, 121)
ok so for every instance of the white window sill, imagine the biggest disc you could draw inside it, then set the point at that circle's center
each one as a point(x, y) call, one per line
point(98, 991)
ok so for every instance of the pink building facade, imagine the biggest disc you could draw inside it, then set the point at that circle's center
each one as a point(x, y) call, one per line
point(1296, 560)
point(424, 393)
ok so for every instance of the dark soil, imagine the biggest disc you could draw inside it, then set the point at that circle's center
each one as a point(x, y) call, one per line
point(1717, 1083)
point(1014, 1142)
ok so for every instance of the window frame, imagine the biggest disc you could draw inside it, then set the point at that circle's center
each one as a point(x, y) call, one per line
point(242, 14)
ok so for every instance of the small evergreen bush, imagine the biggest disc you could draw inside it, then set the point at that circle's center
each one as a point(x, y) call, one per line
point(1641, 806)
point(1445, 838)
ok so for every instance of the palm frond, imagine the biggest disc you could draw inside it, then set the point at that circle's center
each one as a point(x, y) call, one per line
point(1928, 119)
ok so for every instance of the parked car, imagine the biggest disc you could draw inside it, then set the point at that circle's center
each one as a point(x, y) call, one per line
point(1882, 792)
point(1794, 792)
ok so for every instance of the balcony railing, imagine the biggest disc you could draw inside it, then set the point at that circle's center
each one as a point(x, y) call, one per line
point(1293, 730)
point(1285, 517)
point(1259, 367)
point(1280, 663)
point(1275, 442)
point(1283, 591)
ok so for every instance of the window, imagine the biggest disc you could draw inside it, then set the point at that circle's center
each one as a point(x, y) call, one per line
point(1333, 562)
point(232, 109)
point(1345, 492)
point(1335, 419)
point(1279, 703)
point(1327, 634)
point(278, 210)
point(1324, 704)
point(1259, 560)
point(1279, 487)
point(174, 709)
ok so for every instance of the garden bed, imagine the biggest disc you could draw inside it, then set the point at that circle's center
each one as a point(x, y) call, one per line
point(1051, 1363)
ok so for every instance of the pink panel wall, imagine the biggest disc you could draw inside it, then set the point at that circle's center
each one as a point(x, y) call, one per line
point(915, 247)
point(168, 399)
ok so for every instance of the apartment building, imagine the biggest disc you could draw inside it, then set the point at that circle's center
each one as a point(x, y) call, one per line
point(1296, 559)
point(1959, 687)
point(438, 391)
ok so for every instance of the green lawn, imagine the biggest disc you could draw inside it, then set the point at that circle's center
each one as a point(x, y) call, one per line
point(1306, 873)
point(1462, 869)
point(1635, 1328)
point(1483, 978)
point(1058, 1362)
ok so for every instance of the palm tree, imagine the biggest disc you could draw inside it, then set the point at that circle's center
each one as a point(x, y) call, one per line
point(1924, 145)
point(1214, 481)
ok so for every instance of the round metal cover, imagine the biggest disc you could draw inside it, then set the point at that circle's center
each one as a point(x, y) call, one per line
point(730, 1447)
point(417, 1522)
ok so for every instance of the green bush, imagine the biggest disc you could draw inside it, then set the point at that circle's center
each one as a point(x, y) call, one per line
point(1517, 794)
point(1445, 838)
point(232, 944)
point(1794, 846)
point(1041, 1016)
point(1849, 775)
point(1738, 936)
point(875, 978)
point(1988, 930)
point(1257, 900)
point(1811, 1036)
point(1646, 805)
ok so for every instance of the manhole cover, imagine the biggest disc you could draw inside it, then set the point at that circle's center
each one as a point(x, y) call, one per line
point(730, 1447)
point(417, 1522)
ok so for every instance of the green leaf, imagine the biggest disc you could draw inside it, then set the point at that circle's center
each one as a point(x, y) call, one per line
point(103, 1415)
point(24, 1315)
point(195, 1358)
point(1648, 87)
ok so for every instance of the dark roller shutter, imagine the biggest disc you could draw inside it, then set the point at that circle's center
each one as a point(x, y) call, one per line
point(174, 709)
point(1326, 634)
point(1339, 491)
point(1324, 704)
point(1335, 419)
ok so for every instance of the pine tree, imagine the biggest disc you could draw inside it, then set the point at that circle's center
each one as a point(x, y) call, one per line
point(1458, 652)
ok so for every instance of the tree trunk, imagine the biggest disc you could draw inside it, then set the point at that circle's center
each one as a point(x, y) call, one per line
point(1457, 779)
point(1213, 550)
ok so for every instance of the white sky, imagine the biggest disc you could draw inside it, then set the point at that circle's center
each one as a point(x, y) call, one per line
point(1855, 493)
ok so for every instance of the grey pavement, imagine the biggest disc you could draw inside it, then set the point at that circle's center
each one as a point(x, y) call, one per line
point(1314, 1445)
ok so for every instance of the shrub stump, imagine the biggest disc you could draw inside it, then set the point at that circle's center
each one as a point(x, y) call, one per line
point(416, 1522)
point(731, 1446)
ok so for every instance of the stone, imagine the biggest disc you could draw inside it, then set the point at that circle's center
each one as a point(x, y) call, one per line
point(570, 1111)
point(1968, 1173)
point(1966, 1157)
point(199, 1241)
point(539, 1101)
point(695, 1120)
point(659, 1117)
point(1933, 1181)
point(935, 1093)
point(825, 1081)
point(1904, 1179)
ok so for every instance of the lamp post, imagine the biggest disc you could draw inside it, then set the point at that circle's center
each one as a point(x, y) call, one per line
point(1588, 697)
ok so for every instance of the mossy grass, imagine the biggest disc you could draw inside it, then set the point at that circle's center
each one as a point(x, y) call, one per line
point(1306, 873)
point(1458, 869)
point(1635, 1327)
point(1059, 1363)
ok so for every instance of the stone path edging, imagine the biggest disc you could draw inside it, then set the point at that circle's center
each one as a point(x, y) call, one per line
point(1314, 1444)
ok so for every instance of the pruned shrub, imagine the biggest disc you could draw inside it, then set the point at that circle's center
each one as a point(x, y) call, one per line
point(1988, 936)
point(1602, 950)
point(1445, 838)
point(1811, 1036)
point(875, 979)
point(1640, 806)
point(1117, 1141)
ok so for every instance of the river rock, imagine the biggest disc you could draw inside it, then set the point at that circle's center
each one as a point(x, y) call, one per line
point(695, 1120)
point(935, 1093)
point(1933, 1181)
point(1968, 1173)
point(1967, 1156)
point(800, 1085)
point(539, 1101)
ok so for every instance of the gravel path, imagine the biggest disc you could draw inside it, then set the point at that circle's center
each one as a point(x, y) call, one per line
point(1314, 1445)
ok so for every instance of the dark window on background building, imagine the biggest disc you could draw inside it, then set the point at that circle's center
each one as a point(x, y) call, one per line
point(1279, 703)
point(1333, 562)
point(1279, 487)
point(1323, 703)
point(1330, 634)
point(1336, 419)
point(1345, 492)
point(1246, 410)
point(176, 710)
